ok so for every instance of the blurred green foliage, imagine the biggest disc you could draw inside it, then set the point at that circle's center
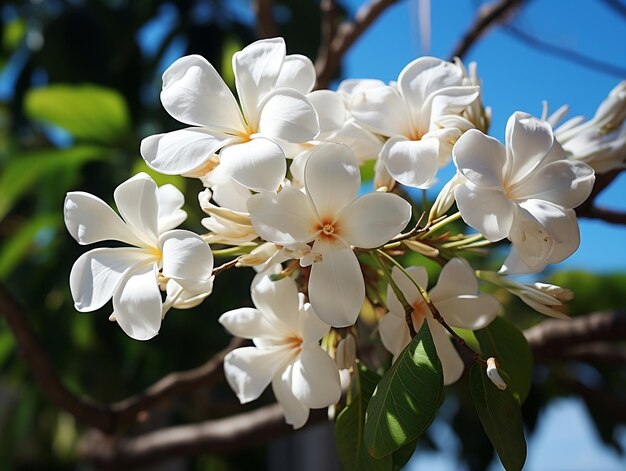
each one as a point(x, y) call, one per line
point(84, 80)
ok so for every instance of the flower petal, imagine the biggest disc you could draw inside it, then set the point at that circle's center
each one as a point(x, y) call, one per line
point(170, 201)
point(373, 219)
point(278, 302)
point(336, 286)
point(315, 378)
point(286, 114)
point(311, 327)
point(248, 323)
point(407, 287)
point(187, 258)
point(451, 361)
point(137, 305)
point(249, 370)
point(457, 277)
point(564, 182)
point(89, 219)
point(394, 333)
point(297, 72)
point(412, 163)
point(283, 218)
point(480, 159)
point(381, 110)
point(332, 179)
point(487, 211)
point(258, 164)
point(256, 68)
point(468, 311)
point(182, 151)
point(195, 94)
point(330, 110)
point(97, 274)
point(296, 413)
point(528, 141)
point(136, 200)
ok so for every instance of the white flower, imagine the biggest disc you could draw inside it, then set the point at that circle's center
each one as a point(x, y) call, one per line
point(456, 297)
point(272, 108)
point(601, 141)
point(412, 115)
point(329, 216)
point(524, 192)
point(130, 275)
point(286, 334)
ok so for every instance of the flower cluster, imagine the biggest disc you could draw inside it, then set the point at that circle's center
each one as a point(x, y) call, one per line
point(281, 169)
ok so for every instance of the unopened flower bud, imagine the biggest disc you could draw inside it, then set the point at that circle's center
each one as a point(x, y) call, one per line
point(445, 198)
point(493, 375)
point(345, 356)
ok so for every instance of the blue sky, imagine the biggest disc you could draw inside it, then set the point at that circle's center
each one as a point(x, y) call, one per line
point(517, 77)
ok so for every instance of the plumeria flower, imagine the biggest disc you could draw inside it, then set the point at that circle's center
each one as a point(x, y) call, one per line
point(524, 191)
point(601, 141)
point(131, 275)
point(329, 215)
point(412, 113)
point(456, 297)
point(272, 109)
point(286, 353)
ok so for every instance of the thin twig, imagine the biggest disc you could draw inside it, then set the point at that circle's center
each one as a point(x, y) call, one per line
point(265, 24)
point(348, 32)
point(230, 264)
point(487, 16)
point(417, 229)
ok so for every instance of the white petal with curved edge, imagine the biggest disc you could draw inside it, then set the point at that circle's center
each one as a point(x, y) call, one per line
point(449, 101)
point(394, 333)
point(487, 211)
point(450, 360)
point(457, 277)
point(257, 68)
point(283, 218)
point(468, 311)
point(188, 259)
point(194, 93)
point(412, 163)
point(336, 286)
point(424, 76)
point(315, 378)
point(311, 327)
point(258, 164)
point(330, 109)
point(248, 323)
point(331, 179)
point(297, 72)
point(480, 159)
point(364, 144)
point(528, 141)
point(286, 114)
point(373, 219)
point(96, 275)
point(182, 151)
point(249, 370)
point(278, 302)
point(381, 110)
point(564, 182)
point(137, 304)
point(89, 219)
point(232, 195)
point(296, 413)
point(170, 201)
point(412, 295)
point(136, 200)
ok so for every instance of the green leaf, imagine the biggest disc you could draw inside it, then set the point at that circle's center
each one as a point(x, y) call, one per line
point(88, 112)
point(507, 344)
point(24, 170)
point(350, 425)
point(501, 417)
point(18, 246)
point(406, 399)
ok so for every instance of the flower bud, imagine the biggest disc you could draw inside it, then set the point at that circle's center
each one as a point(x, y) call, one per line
point(345, 356)
point(493, 375)
point(445, 198)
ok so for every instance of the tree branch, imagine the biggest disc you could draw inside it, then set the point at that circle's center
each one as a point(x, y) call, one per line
point(222, 435)
point(596, 352)
point(551, 338)
point(487, 16)
point(108, 418)
point(589, 210)
point(265, 24)
point(348, 32)
point(608, 215)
